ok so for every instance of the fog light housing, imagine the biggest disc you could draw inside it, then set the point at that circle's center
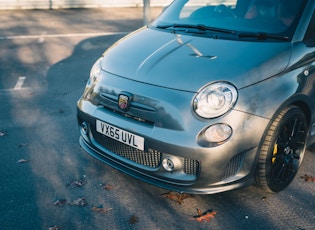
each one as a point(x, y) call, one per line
point(171, 163)
point(84, 128)
point(218, 133)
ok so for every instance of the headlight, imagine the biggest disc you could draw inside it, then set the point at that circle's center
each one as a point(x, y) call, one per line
point(94, 75)
point(95, 71)
point(215, 99)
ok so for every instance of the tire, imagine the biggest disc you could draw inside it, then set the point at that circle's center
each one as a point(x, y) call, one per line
point(282, 150)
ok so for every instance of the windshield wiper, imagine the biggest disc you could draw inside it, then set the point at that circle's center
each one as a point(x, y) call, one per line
point(199, 27)
point(263, 36)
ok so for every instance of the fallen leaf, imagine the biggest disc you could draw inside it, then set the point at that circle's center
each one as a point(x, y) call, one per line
point(81, 202)
point(206, 216)
point(22, 161)
point(54, 228)
point(23, 145)
point(199, 213)
point(77, 183)
point(183, 196)
point(101, 209)
point(177, 197)
point(108, 187)
point(308, 178)
point(60, 202)
point(133, 219)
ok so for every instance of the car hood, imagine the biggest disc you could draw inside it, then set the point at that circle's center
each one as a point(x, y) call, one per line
point(185, 62)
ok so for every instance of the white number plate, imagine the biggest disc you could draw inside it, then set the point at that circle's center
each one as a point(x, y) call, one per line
point(120, 135)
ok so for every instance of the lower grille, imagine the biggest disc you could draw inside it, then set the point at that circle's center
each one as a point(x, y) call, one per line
point(151, 158)
point(191, 167)
point(234, 165)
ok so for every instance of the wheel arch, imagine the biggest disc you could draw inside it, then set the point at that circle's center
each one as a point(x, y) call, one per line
point(305, 108)
point(299, 100)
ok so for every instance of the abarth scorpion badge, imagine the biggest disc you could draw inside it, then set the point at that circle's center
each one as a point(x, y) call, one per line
point(124, 100)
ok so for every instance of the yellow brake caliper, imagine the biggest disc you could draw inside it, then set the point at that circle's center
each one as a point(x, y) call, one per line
point(275, 151)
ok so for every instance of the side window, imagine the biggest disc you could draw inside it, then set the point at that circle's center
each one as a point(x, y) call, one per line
point(309, 38)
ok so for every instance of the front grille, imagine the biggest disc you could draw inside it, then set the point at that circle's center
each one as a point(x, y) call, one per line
point(151, 158)
point(109, 101)
point(234, 165)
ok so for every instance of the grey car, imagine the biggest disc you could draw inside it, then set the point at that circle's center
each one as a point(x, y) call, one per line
point(213, 95)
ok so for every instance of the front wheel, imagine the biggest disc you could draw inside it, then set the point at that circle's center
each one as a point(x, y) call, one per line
point(282, 150)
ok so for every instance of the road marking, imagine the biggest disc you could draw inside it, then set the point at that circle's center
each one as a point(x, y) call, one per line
point(59, 35)
point(19, 83)
point(24, 90)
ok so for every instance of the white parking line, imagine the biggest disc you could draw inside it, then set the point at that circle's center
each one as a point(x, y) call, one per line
point(60, 35)
point(19, 83)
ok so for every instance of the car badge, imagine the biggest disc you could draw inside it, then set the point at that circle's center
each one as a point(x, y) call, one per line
point(124, 100)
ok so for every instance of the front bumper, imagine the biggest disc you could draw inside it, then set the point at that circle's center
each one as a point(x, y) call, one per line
point(204, 170)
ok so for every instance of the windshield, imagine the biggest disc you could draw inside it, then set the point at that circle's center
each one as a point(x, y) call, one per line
point(244, 17)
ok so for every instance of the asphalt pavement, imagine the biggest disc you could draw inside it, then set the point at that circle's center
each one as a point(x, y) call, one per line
point(48, 182)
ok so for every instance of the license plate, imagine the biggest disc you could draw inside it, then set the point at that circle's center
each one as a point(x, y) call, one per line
point(120, 135)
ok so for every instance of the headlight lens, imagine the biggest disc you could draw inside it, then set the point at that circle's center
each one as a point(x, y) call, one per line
point(95, 71)
point(215, 99)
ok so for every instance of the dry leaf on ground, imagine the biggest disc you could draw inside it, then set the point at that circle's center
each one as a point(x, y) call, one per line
point(101, 209)
point(177, 197)
point(23, 145)
point(54, 228)
point(108, 187)
point(308, 178)
point(205, 216)
point(77, 183)
point(133, 219)
point(60, 202)
point(81, 202)
point(22, 161)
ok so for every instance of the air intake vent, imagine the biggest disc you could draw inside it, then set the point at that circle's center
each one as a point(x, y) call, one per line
point(234, 165)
